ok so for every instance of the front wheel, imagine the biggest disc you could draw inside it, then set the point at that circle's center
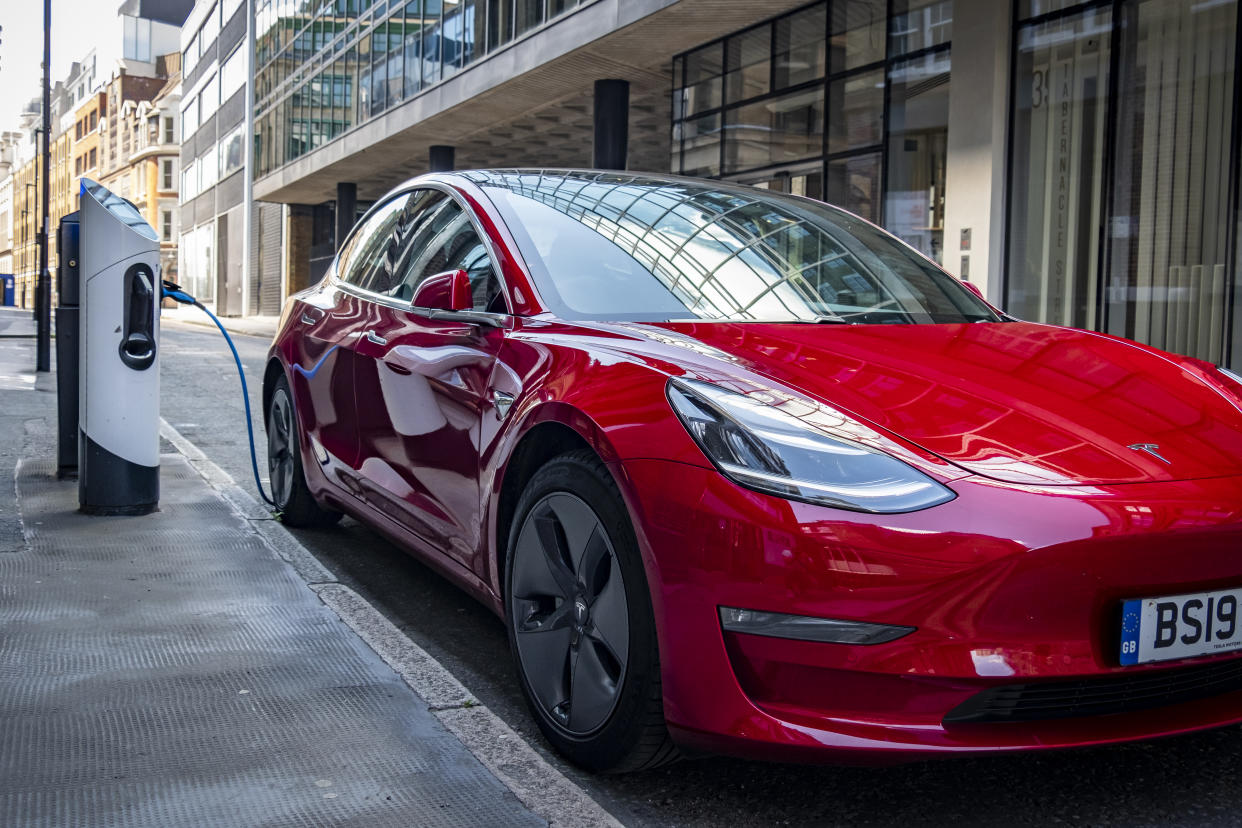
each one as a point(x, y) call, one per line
point(580, 620)
point(287, 480)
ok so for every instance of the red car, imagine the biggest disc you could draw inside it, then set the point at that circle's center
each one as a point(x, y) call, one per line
point(743, 473)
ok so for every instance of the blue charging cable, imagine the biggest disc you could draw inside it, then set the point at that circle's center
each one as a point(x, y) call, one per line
point(174, 292)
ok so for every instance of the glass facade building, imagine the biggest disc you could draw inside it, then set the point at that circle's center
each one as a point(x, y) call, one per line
point(1124, 177)
point(845, 100)
point(326, 66)
point(1121, 209)
point(1082, 157)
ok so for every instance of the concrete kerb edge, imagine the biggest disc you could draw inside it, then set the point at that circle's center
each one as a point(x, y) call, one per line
point(535, 782)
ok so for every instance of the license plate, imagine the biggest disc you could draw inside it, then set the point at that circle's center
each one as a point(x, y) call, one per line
point(1180, 626)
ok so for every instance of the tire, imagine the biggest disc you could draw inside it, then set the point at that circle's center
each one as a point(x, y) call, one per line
point(583, 639)
point(293, 499)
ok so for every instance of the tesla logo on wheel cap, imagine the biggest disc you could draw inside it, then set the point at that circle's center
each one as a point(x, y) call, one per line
point(1152, 449)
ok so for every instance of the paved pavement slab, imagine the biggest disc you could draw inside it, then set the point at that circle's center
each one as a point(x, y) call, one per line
point(16, 322)
point(172, 670)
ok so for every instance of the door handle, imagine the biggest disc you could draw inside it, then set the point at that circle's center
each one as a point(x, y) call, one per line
point(375, 338)
point(397, 367)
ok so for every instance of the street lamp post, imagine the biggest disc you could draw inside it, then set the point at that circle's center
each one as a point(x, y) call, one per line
point(25, 239)
point(25, 235)
point(43, 326)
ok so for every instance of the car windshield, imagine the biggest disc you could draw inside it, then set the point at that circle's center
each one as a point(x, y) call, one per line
point(613, 246)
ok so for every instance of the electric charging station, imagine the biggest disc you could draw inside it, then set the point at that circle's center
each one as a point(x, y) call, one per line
point(119, 384)
point(67, 323)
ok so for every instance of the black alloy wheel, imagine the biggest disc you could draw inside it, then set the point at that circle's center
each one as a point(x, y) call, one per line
point(293, 499)
point(580, 620)
point(280, 437)
point(570, 614)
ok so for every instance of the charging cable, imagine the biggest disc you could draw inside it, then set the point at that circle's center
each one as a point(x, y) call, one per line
point(173, 291)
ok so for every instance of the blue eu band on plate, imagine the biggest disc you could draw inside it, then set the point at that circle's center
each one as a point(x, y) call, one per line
point(1180, 626)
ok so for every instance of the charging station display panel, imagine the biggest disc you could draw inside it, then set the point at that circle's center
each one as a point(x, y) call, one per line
point(122, 208)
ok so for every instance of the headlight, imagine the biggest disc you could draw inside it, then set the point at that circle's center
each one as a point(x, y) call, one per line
point(765, 449)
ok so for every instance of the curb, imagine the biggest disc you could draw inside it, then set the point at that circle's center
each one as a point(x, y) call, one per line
point(207, 323)
point(536, 783)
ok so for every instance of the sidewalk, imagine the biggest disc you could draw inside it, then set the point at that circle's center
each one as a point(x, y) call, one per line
point(173, 670)
point(17, 322)
point(260, 326)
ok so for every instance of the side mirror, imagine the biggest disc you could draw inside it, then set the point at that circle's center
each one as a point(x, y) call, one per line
point(973, 288)
point(448, 291)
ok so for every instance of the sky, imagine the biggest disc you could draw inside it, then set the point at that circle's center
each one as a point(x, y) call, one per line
point(74, 24)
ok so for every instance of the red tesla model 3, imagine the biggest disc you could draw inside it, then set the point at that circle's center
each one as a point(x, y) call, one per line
point(743, 473)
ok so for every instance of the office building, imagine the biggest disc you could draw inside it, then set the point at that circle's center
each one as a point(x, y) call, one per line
point(1078, 161)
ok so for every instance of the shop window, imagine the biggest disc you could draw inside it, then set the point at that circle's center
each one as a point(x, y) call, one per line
point(703, 81)
point(748, 64)
point(775, 131)
point(858, 33)
point(1060, 88)
point(700, 140)
point(865, 126)
point(918, 131)
point(853, 183)
point(920, 24)
point(855, 111)
point(1168, 235)
point(1125, 226)
point(799, 47)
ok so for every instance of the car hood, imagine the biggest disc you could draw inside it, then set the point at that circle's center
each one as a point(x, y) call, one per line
point(1013, 401)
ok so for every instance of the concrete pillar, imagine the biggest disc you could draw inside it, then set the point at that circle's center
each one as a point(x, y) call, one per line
point(440, 158)
point(346, 206)
point(976, 178)
point(298, 242)
point(612, 124)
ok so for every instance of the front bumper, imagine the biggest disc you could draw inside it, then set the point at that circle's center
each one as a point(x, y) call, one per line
point(1006, 585)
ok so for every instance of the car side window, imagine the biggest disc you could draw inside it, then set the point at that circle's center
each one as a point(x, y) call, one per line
point(415, 229)
point(446, 240)
point(367, 262)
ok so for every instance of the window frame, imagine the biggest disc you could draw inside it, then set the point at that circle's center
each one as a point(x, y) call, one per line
point(333, 278)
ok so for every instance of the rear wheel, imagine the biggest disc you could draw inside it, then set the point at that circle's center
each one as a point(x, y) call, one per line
point(580, 620)
point(287, 480)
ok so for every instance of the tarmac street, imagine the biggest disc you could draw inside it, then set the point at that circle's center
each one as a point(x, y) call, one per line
point(1192, 780)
